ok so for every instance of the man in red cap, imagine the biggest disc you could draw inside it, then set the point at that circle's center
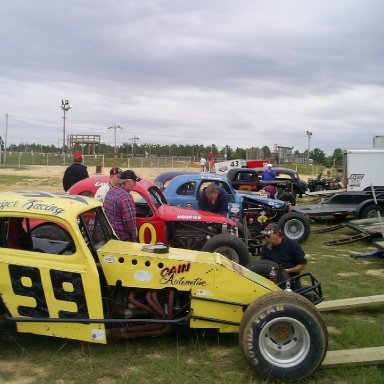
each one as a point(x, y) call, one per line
point(75, 172)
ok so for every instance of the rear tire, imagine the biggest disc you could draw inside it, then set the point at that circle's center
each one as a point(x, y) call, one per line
point(264, 267)
point(295, 226)
point(229, 246)
point(283, 337)
point(370, 211)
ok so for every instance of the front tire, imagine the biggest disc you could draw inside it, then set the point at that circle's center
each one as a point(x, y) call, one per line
point(283, 337)
point(229, 246)
point(295, 226)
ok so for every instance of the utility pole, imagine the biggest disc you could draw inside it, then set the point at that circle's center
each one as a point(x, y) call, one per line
point(309, 134)
point(114, 127)
point(5, 138)
point(65, 106)
point(134, 139)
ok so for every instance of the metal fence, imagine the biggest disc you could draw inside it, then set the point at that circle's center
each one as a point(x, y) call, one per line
point(27, 159)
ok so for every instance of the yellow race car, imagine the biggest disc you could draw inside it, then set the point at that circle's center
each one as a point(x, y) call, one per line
point(77, 280)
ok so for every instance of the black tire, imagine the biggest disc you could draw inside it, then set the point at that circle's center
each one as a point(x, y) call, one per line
point(295, 226)
point(369, 211)
point(319, 188)
point(264, 267)
point(283, 337)
point(50, 232)
point(229, 246)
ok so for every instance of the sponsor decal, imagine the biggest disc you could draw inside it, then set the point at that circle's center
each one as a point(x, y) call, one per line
point(188, 217)
point(237, 268)
point(169, 276)
point(181, 268)
point(355, 179)
point(97, 334)
point(204, 292)
point(143, 276)
point(8, 204)
point(110, 259)
point(357, 176)
point(38, 206)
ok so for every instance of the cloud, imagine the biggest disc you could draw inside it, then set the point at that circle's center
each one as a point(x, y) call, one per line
point(245, 73)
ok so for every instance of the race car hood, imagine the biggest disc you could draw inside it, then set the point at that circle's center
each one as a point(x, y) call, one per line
point(173, 213)
point(256, 198)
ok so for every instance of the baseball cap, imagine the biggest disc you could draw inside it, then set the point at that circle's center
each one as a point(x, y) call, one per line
point(269, 165)
point(270, 229)
point(78, 157)
point(129, 175)
point(115, 171)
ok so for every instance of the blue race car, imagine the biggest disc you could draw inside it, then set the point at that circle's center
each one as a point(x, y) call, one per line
point(250, 209)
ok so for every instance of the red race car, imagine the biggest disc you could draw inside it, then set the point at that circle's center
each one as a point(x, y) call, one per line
point(159, 222)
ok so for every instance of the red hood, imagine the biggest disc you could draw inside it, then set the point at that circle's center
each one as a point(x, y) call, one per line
point(173, 213)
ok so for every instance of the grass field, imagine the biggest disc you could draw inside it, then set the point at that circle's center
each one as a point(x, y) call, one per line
point(203, 357)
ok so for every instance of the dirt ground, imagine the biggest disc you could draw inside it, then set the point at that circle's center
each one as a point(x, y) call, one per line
point(58, 171)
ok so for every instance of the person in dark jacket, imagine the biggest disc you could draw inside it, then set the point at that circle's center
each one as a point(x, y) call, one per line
point(284, 251)
point(214, 199)
point(75, 172)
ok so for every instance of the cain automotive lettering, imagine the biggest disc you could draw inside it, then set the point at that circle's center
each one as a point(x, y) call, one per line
point(170, 276)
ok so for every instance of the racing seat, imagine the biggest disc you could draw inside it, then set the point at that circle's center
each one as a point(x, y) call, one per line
point(18, 237)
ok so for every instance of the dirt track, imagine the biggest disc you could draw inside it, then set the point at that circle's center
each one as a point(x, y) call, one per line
point(49, 178)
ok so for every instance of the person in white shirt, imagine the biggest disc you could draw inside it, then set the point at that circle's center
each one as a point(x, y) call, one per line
point(114, 177)
point(203, 163)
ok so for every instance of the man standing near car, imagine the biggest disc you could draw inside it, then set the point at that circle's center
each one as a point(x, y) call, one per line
point(114, 177)
point(119, 206)
point(214, 199)
point(268, 174)
point(75, 172)
point(282, 250)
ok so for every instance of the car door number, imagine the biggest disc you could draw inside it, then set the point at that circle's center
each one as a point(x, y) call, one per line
point(66, 286)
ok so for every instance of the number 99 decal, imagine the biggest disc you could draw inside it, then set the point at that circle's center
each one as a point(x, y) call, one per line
point(67, 287)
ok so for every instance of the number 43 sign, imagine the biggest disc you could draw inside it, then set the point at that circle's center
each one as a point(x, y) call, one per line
point(224, 166)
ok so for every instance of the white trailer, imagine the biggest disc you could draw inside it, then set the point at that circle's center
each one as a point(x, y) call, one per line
point(363, 168)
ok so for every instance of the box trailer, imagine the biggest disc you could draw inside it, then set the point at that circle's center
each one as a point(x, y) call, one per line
point(363, 174)
point(363, 168)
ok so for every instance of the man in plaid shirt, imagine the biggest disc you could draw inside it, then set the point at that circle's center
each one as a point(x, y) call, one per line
point(119, 206)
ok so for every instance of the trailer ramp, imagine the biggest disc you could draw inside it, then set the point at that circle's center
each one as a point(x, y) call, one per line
point(366, 228)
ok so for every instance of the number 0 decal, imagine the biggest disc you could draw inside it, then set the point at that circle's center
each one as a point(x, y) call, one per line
point(143, 236)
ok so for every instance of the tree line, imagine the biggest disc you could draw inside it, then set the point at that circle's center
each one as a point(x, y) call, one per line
point(194, 151)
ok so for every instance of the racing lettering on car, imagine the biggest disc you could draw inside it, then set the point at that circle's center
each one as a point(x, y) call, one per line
point(181, 268)
point(168, 275)
point(8, 204)
point(188, 217)
point(37, 205)
point(197, 281)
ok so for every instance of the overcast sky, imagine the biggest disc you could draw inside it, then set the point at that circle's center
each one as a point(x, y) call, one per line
point(241, 73)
